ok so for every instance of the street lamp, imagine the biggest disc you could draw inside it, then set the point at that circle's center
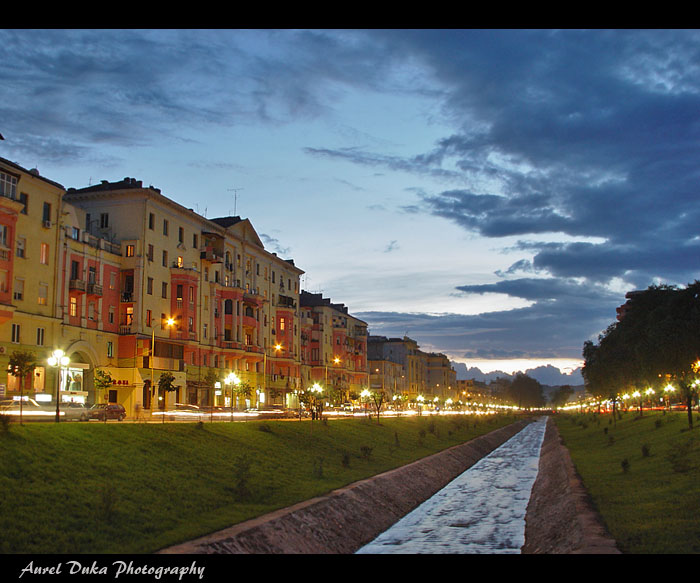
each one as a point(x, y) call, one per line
point(316, 391)
point(169, 322)
point(58, 359)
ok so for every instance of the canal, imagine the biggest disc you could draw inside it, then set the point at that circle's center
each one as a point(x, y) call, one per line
point(481, 511)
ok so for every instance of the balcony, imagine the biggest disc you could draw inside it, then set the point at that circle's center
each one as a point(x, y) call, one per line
point(77, 285)
point(94, 289)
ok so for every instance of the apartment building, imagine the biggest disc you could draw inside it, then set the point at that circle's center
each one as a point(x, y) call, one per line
point(334, 348)
point(30, 211)
point(401, 368)
point(195, 295)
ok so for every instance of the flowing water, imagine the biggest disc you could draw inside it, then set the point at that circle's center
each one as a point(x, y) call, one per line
point(480, 511)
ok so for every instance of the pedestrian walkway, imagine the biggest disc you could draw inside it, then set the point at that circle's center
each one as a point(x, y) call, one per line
point(481, 511)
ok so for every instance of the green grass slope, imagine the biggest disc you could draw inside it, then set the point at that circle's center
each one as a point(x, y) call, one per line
point(643, 476)
point(136, 488)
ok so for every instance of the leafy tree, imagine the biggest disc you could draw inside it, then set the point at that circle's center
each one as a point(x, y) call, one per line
point(166, 385)
point(656, 342)
point(378, 399)
point(561, 395)
point(21, 364)
point(242, 390)
point(526, 391)
point(103, 380)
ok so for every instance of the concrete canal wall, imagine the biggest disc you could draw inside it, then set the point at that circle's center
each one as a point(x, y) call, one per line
point(559, 517)
point(350, 517)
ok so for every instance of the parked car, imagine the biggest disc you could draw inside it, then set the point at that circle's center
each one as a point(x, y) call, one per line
point(74, 412)
point(104, 411)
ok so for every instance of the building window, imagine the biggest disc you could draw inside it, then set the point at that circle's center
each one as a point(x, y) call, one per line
point(44, 254)
point(91, 311)
point(43, 296)
point(178, 291)
point(110, 349)
point(194, 240)
point(149, 315)
point(19, 289)
point(205, 329)
point(165, 227)
point(180, 262)
point(4, 283)
point(180, 235)
point(149, 286)
point(74, 270)
point(40, 333)
point(165, 258)
point(191, 324)
point(8, 186)
point(130, 250)
point(112, 279)
point(104, 220)
point(150, 252)
point(4, 235)
point(73, 310)
point(111, 315)
point(164, 290)
point(191, 295)
point(16, 333)
point(151, 221)
point(20, 246)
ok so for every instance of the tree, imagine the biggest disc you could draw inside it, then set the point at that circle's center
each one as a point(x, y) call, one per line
point(561, 395)
point(378, 399)
point(656, 342)
point(166, 385)
point(526, 391)
point(21, 364)
point(103, 380)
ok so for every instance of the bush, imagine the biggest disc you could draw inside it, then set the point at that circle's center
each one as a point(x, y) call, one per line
point(366, 451)
point(345, 459)
point(242, 471)
point(625, 465)
point(265, 428)
point(645, 450)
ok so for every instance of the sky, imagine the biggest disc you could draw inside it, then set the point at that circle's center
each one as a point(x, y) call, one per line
point(492, 194)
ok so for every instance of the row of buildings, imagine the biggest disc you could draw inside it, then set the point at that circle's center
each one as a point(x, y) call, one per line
point(128, 282)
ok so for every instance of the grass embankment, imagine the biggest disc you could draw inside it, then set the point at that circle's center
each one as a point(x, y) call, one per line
point(642, 474)
point(136, 488)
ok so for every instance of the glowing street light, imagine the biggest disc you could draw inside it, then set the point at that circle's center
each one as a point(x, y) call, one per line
point(232, 379)
point(58, 359)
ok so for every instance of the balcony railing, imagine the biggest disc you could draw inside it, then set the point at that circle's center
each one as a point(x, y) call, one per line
point(77, 284)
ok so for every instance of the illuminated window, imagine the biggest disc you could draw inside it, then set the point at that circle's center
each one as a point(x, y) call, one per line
point(73, 309)
point(43, 294)
point(130, 250)
point(180, 262)
point(44, 254)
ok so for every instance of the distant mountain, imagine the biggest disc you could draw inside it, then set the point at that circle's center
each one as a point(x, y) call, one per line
point(546, 375)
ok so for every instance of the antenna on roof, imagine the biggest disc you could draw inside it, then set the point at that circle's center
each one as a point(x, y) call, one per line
point(235, 198)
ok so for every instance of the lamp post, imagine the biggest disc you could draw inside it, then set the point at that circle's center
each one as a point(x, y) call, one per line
point(59, 360)
point(169, 322)
point(316, 391)
point(232, 379)
point(336, 360)
point(669, 389)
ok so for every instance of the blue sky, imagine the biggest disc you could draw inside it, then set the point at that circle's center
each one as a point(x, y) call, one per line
point(492, 194)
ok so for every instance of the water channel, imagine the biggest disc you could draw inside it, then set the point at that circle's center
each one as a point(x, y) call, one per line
point(480, 511)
